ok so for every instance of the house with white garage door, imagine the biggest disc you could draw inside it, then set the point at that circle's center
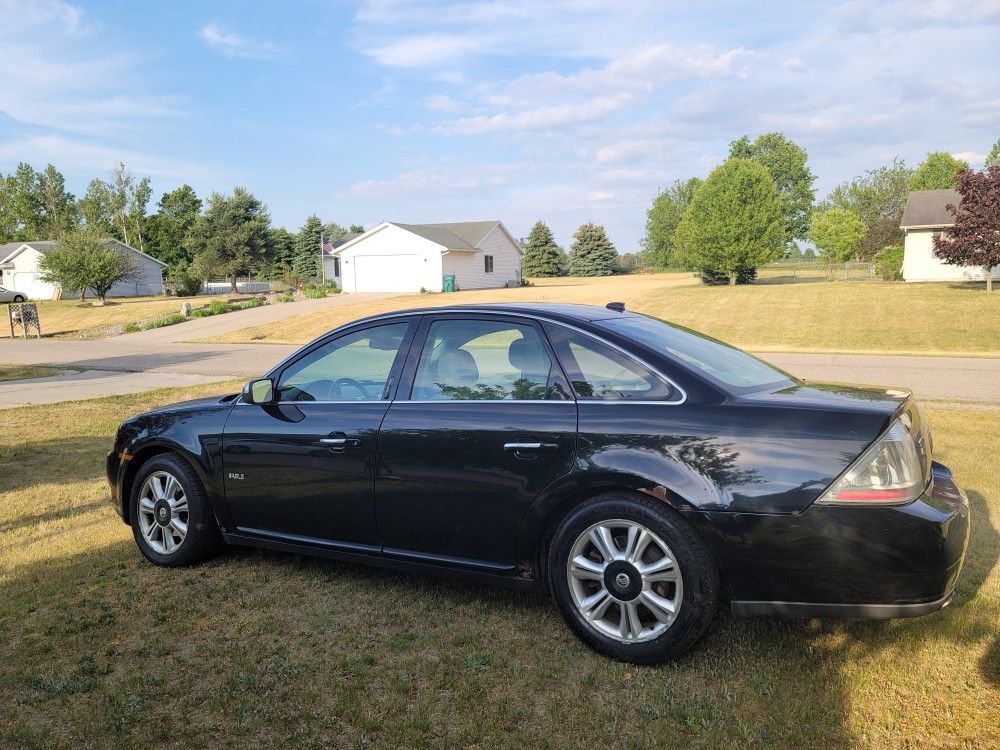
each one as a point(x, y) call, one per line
point(19, 271)
point(394, 257)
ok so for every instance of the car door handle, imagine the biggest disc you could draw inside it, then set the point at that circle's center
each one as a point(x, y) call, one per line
point(531, 447)
point(340, 442)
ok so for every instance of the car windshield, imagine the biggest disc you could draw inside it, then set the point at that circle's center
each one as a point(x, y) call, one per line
point(726, 365)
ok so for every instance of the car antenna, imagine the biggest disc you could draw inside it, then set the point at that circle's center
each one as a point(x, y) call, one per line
point(616, 306)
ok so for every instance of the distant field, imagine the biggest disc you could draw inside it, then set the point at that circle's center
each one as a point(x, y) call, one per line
point(771, 315)
point(100, 649)
point(70, 317)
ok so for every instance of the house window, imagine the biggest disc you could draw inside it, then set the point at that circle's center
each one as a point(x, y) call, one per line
point(489, 263)
point(336, 266)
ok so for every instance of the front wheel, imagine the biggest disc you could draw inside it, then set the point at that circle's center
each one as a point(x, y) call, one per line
point(632, 578)
point(172, 521)
point(18, 298)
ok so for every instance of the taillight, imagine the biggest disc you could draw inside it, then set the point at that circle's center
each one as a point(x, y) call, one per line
point(895, 469)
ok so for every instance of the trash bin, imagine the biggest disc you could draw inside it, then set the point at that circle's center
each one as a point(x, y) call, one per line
point(449, 282)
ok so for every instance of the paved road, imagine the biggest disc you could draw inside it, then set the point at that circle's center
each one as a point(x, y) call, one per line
point(91, 384)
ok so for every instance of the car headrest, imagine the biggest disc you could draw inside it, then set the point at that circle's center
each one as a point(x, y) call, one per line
point(528, 357)
point(457, 367)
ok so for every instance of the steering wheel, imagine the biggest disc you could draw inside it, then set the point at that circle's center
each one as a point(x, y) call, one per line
point(339, 383)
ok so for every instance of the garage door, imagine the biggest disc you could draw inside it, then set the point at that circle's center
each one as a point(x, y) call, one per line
point(28, 283)
point(388, 273)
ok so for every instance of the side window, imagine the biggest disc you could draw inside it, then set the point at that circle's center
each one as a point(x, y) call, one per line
point(601, 373)
point(354, 367)
point(482, 360)
point(489, 263)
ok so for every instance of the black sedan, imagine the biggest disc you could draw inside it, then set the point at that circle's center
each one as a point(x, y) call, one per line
point(638, 471)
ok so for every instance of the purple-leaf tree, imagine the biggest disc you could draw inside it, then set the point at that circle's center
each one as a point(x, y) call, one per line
point(974, 239)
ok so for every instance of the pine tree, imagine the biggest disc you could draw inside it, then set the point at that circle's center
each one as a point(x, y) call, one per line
point(593, 254)
point(542, 256)
point(305, 264)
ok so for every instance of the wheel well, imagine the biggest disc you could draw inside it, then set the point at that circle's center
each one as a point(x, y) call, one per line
point(140, 458)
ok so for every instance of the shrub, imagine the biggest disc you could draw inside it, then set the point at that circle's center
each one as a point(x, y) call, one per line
point(717, 278)
point(889, 263)
point(314, 292)
point(131, 328)
point(286, 298)
point(248, 304)
point(182, 282)
point(169, 320)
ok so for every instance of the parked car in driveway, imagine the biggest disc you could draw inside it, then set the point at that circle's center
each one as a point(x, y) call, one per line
point(639, 472)
point(12, 295)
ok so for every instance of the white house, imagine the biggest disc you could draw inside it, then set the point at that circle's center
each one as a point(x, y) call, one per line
point(19, 270)
point(395, 257)
point(925, 217)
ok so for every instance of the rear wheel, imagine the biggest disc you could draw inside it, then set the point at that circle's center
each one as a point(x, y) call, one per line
point(18, 298)
point(172, 521)
point(632, 578)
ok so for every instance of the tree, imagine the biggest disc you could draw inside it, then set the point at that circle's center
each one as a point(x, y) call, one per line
point(306, 261)
point(58, 207)
point(878, 198)
point(177, 211)
point(129, 198)
point(735, 221)
point(279, 261)
point(786, 162)
point(937, 172)
point(356, 229)
point(232, 236)
point(542, 256)
point(592, 253)
point(21, 213)
point(95, 207)
point(994, 156)
point(974, 239)
point(662, 219)
point(83, 259)
point(837, 234)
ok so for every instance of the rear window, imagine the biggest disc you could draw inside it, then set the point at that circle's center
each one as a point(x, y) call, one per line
point(726, 365)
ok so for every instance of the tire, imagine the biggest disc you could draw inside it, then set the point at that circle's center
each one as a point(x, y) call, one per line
point(636, 625)
point(18, 298)
point(164, 544)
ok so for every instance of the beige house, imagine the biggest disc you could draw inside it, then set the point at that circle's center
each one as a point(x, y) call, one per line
point(925, 217)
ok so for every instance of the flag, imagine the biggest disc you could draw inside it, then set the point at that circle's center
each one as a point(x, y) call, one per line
point(327, 245)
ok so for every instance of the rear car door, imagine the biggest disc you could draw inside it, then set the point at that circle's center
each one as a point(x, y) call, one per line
point(487, 423)
point(302, 469)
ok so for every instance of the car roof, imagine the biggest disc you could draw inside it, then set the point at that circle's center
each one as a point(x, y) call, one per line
point(565, 312)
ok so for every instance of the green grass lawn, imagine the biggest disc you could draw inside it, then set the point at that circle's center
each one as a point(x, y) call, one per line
point(771, 315)
point(100, 649)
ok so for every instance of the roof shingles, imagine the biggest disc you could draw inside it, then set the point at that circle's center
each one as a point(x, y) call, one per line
point(928, 208)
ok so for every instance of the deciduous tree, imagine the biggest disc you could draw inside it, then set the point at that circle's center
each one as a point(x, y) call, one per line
point(786, 162)
point(231, 237)
point(837, 234)
point(735, 221)
point(994, 155)
point(662, 219)
point(21, 214)
point(177, 211)
point(58, 206)
point(937, 172)
point(878, 198)
point(542, 256)
point(974, 239)
point(592, 253)
point(84, 259)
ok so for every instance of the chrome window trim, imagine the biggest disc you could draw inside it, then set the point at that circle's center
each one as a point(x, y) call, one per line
point(504, 313)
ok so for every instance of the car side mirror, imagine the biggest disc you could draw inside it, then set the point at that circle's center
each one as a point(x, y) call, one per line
point(259, 391)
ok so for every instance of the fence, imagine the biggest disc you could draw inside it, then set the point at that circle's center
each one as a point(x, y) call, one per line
point(244, 286)
point(798, 270)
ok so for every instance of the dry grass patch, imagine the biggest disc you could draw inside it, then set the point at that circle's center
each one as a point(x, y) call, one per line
point(72, 318)
point(814, 315)
point(253, 649)
point(26, 372)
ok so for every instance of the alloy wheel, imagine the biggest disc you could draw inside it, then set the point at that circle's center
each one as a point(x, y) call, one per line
point(624, 580)
point(163, 512)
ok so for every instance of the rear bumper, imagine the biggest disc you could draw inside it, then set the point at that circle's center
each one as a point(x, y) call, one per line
point(835, 561)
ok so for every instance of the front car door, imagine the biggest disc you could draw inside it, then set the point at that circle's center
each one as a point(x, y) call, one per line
point(302, 469)
point(487, 424)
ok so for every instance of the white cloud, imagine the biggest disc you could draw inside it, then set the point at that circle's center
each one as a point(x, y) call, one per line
point(440, 180)
point(443, 103)
point(232, 44)
point(424, 51)
point(554, 116)
point(971, 157)
point(795, 64)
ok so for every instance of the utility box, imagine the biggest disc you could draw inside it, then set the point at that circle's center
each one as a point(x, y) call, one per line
point(449, 282)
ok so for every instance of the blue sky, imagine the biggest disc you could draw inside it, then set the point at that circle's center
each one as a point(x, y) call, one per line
point(511, 109)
